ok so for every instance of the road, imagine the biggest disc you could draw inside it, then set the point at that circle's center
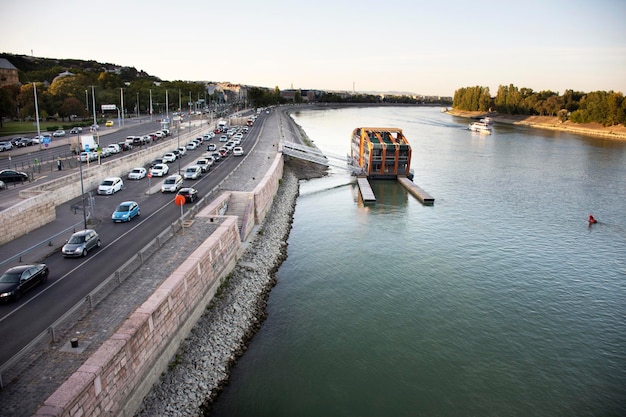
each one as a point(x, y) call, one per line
point(71, 280)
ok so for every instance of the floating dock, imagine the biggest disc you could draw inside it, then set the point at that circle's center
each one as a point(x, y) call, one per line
point(417, 191)
point(366, 190)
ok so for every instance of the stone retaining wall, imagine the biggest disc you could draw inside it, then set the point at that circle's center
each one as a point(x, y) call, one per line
point(115, 379)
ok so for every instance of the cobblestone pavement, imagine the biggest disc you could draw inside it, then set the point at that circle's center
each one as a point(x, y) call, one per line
point(42, 376)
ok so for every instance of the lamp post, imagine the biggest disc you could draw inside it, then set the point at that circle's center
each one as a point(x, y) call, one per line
point(87, 100)
point(178, 134)
point(137, 105)
point(122, 103)
point(82, 192)
point(37, 114)
point(93, 96)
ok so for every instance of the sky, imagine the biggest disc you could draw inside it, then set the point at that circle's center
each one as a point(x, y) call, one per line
point(411, 46)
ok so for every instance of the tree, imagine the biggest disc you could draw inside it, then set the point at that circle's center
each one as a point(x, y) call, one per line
point(71, 105)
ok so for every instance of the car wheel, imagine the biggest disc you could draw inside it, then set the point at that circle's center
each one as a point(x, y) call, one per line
point(98, 244)
point(18, 295)
point(84, 252)
point(43, 279)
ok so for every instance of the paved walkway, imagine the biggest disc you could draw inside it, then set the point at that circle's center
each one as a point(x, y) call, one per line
point(40, 377)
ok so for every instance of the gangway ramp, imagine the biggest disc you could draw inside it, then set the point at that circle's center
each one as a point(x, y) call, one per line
point(312, 154)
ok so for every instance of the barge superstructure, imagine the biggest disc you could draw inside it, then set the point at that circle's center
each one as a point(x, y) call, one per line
point(380, 152)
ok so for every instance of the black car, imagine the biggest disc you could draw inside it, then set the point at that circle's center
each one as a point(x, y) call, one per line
point(157, 162)
point(8, 175)
point(19, 279)
point(125, 146)
point(190, 194)
point(25, 142)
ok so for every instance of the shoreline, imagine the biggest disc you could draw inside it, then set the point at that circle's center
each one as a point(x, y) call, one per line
point(617, 132)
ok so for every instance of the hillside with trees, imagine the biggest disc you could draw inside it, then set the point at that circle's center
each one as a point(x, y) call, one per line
point(606, 108)
point(64, 89)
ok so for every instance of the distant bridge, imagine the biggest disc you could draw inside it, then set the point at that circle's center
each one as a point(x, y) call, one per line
point(312, 154)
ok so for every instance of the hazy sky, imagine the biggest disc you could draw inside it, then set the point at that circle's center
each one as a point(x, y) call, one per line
point(430, 48)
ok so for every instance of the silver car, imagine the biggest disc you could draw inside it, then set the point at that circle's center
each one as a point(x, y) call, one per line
point(80, 243)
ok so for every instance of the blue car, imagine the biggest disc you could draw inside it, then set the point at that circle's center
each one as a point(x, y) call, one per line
point(125, 211)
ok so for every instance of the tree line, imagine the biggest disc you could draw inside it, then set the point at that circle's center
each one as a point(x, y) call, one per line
point(63, 96)
point(607, 108)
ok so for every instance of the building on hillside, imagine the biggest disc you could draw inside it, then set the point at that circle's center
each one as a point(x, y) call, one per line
point(381, 152)
point(8, 73)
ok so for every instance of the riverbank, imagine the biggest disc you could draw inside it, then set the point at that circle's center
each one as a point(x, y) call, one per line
point(617, 132)
point(202, 365)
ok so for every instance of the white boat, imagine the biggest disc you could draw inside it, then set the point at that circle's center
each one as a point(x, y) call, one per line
point(487, 120)
point(480, 127)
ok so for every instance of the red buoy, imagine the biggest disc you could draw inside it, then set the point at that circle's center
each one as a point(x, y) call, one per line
point(592, 219)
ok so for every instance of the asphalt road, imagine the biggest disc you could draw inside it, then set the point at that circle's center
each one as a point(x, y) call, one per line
point(71, 280)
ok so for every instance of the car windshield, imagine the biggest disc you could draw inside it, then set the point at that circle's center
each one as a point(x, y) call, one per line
point(77, 239)
point(123, 208)
point(136, 171)
point(10, 277)
point(170, 181)
point(107, 182)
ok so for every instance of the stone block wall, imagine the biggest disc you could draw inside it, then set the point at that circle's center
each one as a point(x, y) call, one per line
point(117, 376)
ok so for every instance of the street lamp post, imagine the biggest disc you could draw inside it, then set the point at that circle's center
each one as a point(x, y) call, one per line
point(93, 96)
point(137, 105)
point(178, 134)
point(82, 193)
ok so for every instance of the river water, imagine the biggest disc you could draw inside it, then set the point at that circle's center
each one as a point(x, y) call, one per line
point(499, 300)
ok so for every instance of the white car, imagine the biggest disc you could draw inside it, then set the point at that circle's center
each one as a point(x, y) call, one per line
point(237, 151)
point(59, 133)
point(159, 170)
point(172, 184)
point(110, 185)
point(192, 172)
point(205, 163)
point(137, 173)
point(169, 157)
point(182, 151)
point(114, 148)
point(191, 146)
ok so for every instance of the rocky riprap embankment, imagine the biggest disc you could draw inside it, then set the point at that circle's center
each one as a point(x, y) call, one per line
point(202, 365)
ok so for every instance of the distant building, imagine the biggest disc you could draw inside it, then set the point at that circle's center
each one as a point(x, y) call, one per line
point(8, 73)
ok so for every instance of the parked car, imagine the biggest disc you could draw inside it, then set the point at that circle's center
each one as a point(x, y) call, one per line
point(110, 185)
point(8, 175)
point(5, 146)
point(172, 184)
point(159, 170)
point(80, 243)
point(237, 151)
point(169, 157)
point(192, 172)
point(76, 130)
point(190, 194)
point(125, 211)
point(137, 173)
point(19, 279)
point(59, 133)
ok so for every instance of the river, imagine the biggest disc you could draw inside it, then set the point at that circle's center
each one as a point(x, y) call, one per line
point(499, 300)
